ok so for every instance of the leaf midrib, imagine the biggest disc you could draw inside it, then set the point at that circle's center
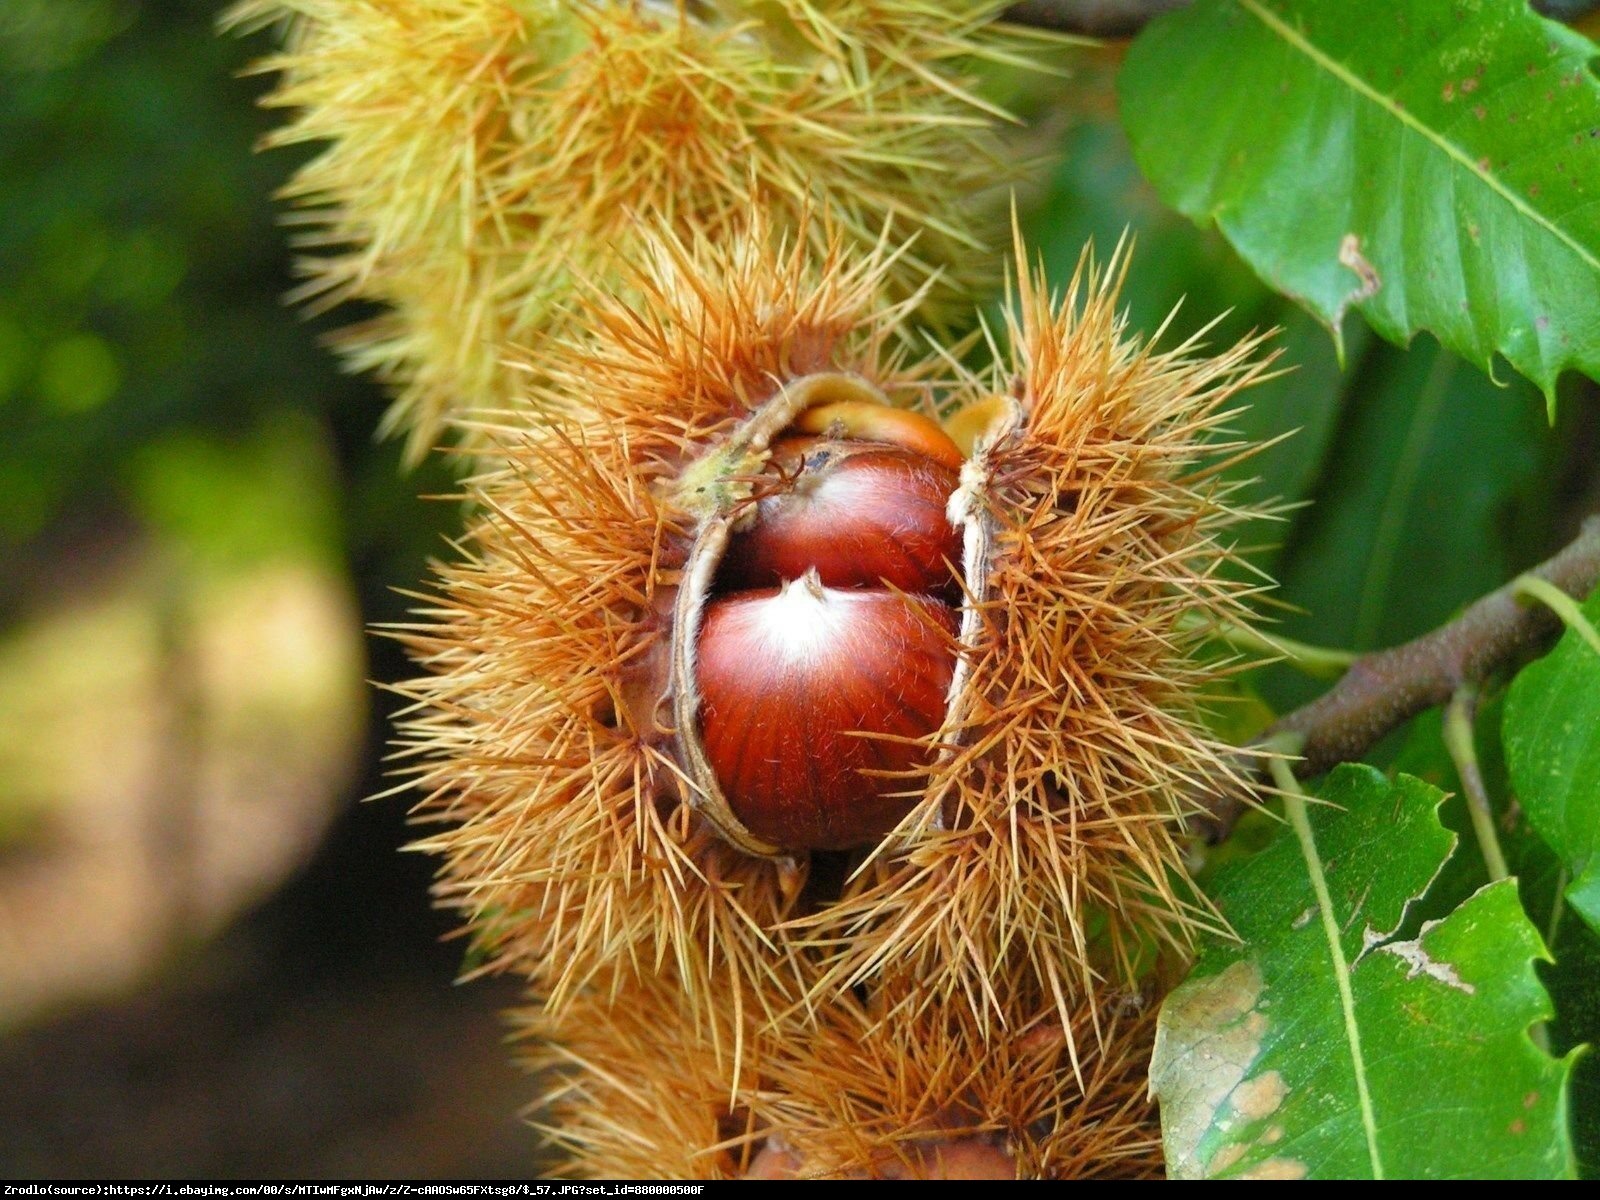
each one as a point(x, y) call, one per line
point(1360, 86)
point(1295, 809)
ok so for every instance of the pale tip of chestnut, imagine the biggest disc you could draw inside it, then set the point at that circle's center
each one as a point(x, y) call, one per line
point(815, 703)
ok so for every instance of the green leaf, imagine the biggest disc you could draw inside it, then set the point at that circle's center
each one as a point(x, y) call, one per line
point(1096, 194)
point(1434, 165)
point(1552, 739)
point(1573, 979)
point(1333, 1042)
point(1574, 983)
point(1432, 495)
point(1423, 754)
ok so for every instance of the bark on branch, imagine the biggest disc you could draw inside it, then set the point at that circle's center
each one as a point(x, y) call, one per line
point(1092, 18)
point(1384, 689)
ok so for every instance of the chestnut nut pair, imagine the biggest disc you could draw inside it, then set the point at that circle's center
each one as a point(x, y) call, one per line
point(827, 643)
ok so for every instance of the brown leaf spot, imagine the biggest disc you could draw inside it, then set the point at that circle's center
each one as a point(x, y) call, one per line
point(1258, 1098)
point(1226, 1157)
point(1350, 256)
point(1276, 1168)
point(1208, 1036)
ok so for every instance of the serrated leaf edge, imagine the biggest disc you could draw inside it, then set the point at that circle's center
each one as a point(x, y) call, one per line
point(1273, 22)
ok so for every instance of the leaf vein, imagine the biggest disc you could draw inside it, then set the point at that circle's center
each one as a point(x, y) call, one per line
point(1349, 78)
point(1295, 807)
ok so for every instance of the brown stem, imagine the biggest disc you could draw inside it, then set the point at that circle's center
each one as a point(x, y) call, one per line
point(1384, 689)
point(1124, 18)
point(1092, 18)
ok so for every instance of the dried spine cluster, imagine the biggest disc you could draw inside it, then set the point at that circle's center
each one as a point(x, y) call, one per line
point(591, 835)
point(480, 158)
point(1076, 747)
point(848, 1091)
point(805, 720)
point(574, 839)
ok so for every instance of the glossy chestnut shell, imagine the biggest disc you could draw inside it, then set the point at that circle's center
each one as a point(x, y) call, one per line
point(812, 699)
point(827, 642)
point(861, 514)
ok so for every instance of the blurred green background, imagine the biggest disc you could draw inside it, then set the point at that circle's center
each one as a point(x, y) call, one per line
point(213, 961)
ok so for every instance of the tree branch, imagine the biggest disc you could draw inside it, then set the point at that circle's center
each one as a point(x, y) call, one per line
point(1124, 18)
point(1092, 18)
point(1383, 690)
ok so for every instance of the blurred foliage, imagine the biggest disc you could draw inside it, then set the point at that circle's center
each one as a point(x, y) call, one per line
point(173, 441)
point(148, 365)
point(189, 493)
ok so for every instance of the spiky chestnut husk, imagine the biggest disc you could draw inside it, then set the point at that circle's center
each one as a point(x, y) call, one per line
point(882, 1088)
point(632, 1089)
point(1075, 748)
point(895, 1089)
point(576, 841)
point(478, 155)
point(561, 733)
point(1071, 746)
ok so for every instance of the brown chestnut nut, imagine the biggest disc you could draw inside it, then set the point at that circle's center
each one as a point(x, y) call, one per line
point(791, 678)
point(862, 514)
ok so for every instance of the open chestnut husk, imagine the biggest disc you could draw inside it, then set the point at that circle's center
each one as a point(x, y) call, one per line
point(817, 632)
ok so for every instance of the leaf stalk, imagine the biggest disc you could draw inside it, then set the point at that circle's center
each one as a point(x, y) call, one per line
point(1459, 717)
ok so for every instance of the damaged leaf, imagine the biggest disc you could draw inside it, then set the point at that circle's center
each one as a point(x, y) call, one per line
point(1337, 1038)
point(1573, 979)
point(1433, 165)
